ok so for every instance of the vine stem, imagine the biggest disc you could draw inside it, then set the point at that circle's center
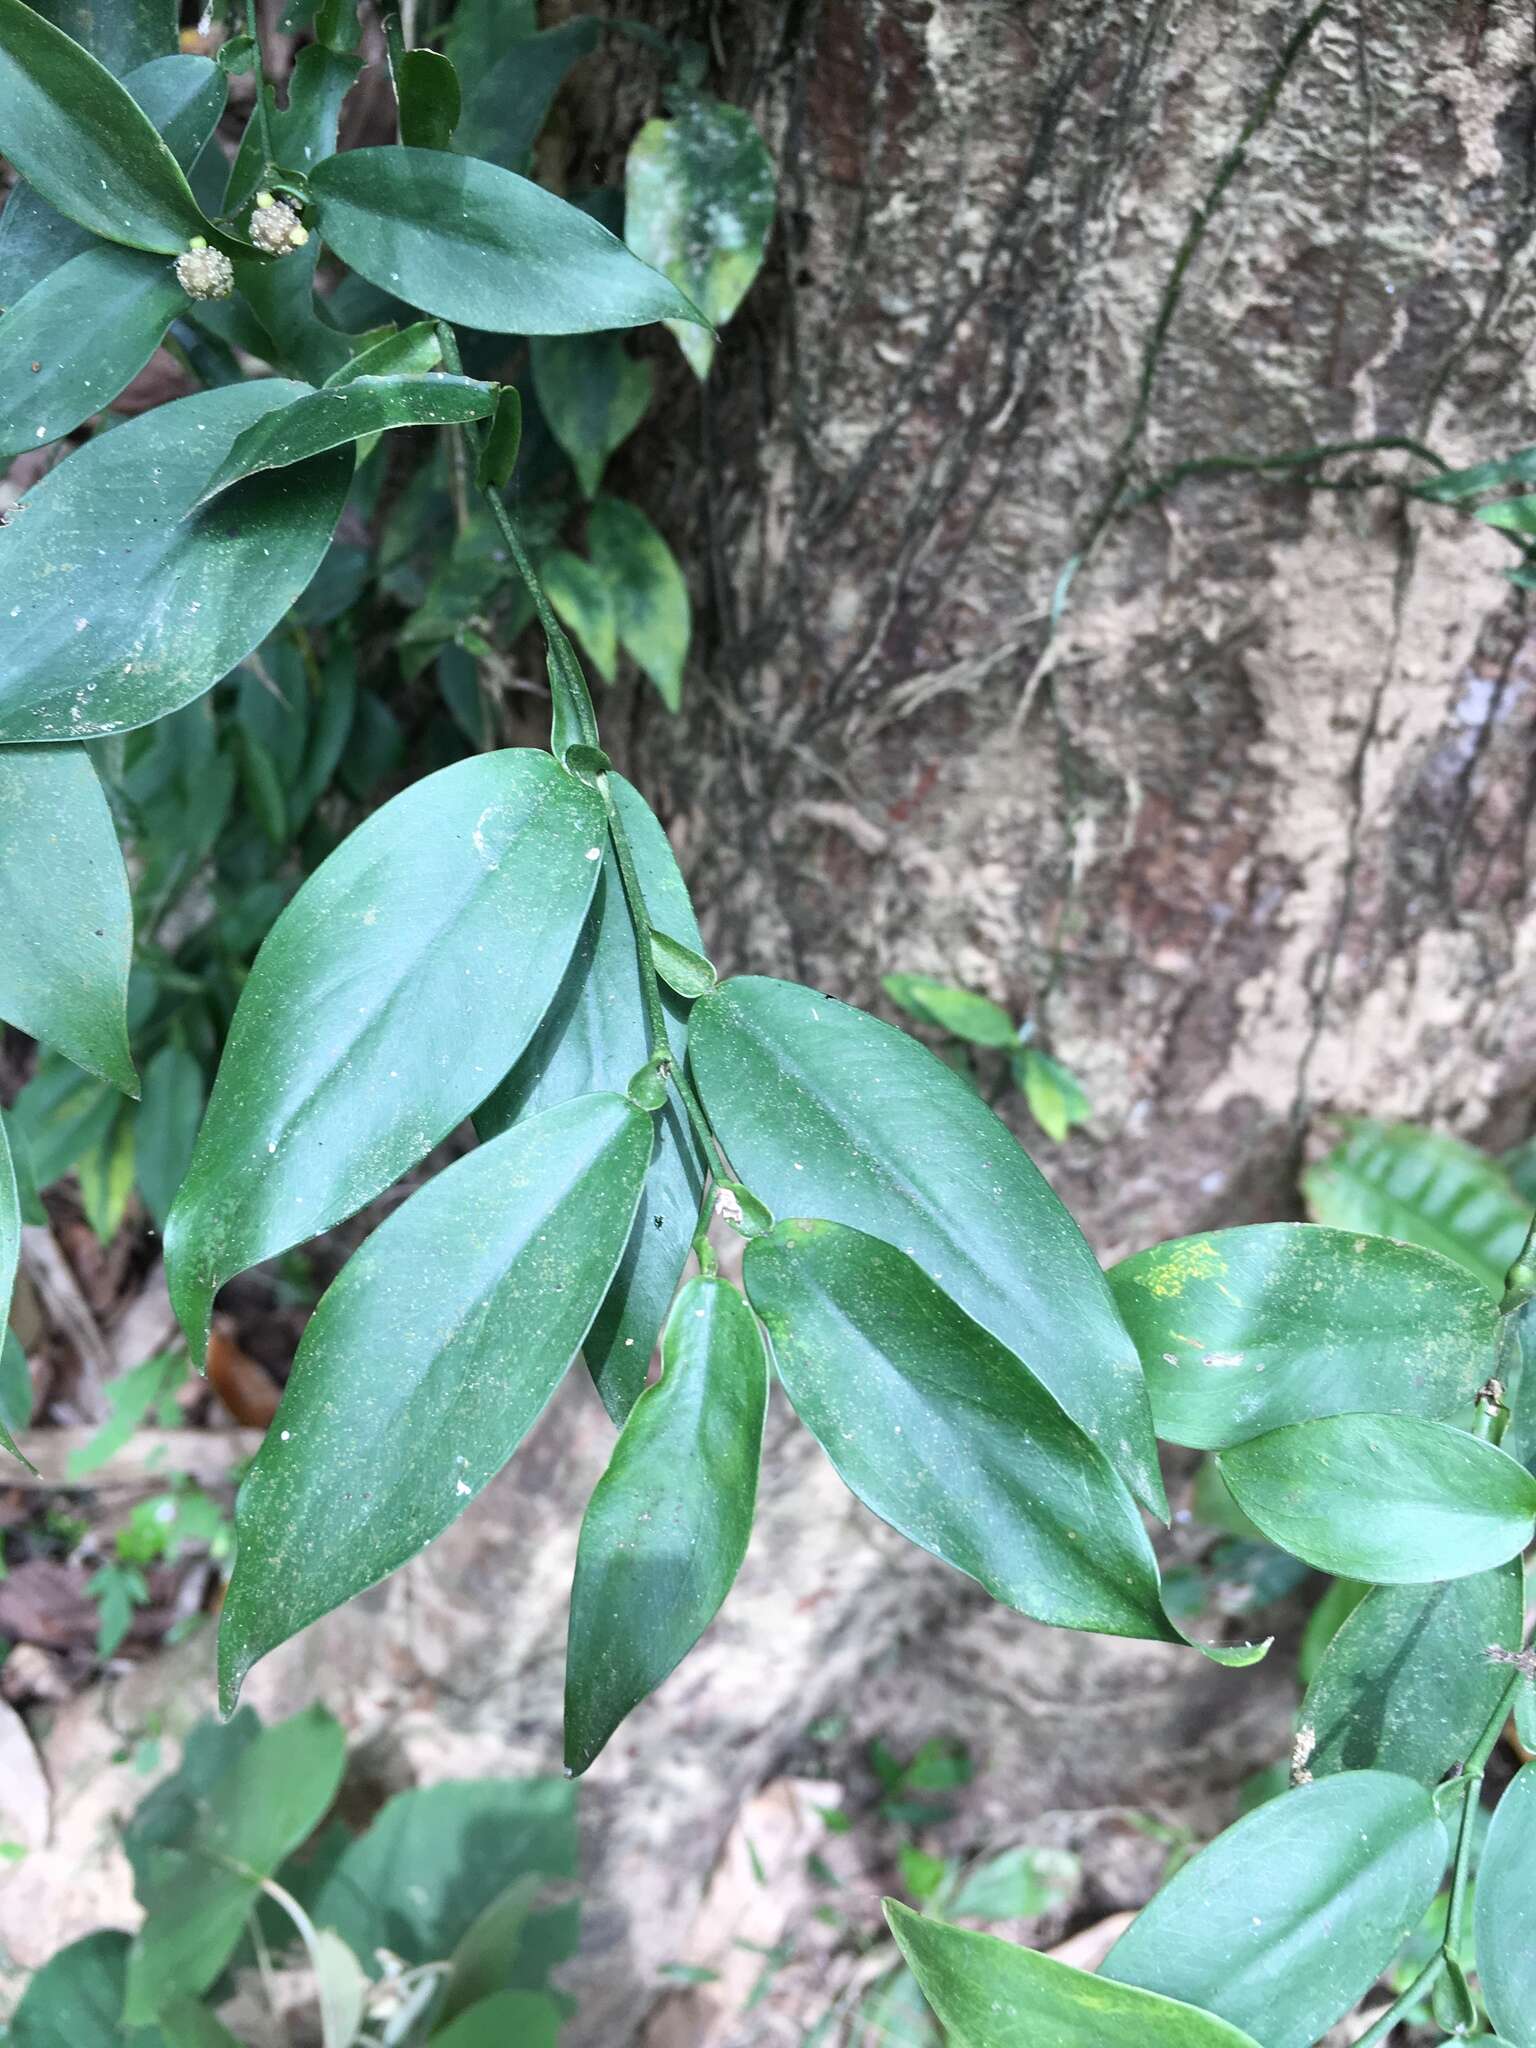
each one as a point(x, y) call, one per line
point(1425, 1981)
point(263, 115)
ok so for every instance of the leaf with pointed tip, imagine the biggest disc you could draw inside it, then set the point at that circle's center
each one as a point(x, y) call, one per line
point(1406, 1684)
point(1504, 1914)
point(1385, 1498)
point(408, 973)
point(584, 603)
point(650, 599)
point(1241, 1331)
point(1054, 1093)
point(470, 242)
point(100, 639)
point(427, 1362)
point(1291, 1915)
point(972, 1017)
point(410, 353)
point(991, 1994)
point(826, 1111)
point(303, 131)
point(594, 394)
point(667, 1526)
point(65, 911)
point(332, 419)
point(503, 442)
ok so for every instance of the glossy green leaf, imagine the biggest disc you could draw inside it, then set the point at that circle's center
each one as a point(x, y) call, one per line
point(426, 1364)
point(470, 242)
point(1406, 1684)
point(991, 1994)
point(526, 2017)
point(281, 296)
point(594, 394)
point(1504, 1914)
point(85, 145)
point(1241, 1331)
point(408, 973)
point(698, 203)
point(666, 1528)
point(509, 87)
point(100, 639)
point(198, 1884)
point(303, 131)
point(684, 970)
point(903, 1391)
point(64, 910)
point(502, 443)
point(956, 1010)
point(427, 87)
point(585, 605)
point(321, 420)
point(1423, 1187)
point(411, 353)
point(1389, 1499)
point(825, 1111)
point(1288, 1918)
point(651, 607)
point(594, 1037)
point(62, 361)
point(76, 2000)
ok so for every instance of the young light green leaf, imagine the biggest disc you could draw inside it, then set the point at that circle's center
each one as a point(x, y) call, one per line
point(105, 1171)
point(526, 2017)
point(102, 639)
point(991, 1994)
point(667, 1526)
point(1504, 1914)
point(686, 972)
point(1424, 1187)
point(698, 203)
point(62, 361)
point(1241, 1331)
point(411, 353)
point(427, 88)
point(824, 1110)
point(956, 1010)
point(1053, 1092)
point(85, 145)
point(594, 394)
point(1284, 1921)
point(426, 1364)
point(1406, 1684)
point(1386, 1498)
point(404, 978)
point(334, 418)
point(65, 911)
point(470, 242)
point(503, 440)
point(77, 1998)
point(585, 604)
point(650, 599)
point(1513, 515)
point(903, 1390)
point(1018, 1884)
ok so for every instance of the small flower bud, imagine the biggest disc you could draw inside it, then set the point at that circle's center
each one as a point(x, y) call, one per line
point(205, 273)
point(275, 226)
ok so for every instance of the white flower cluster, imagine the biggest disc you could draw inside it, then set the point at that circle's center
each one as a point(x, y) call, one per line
point(275, 226)
point(204, 273)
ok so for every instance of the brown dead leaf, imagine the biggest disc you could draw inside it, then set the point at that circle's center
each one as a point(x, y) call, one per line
point(247, 1389)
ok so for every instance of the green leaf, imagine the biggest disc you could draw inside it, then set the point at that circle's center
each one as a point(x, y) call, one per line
point(411, 353)
point(1288, 1918)
point(166, 1130)
point(594, 394)
point(130, 1397)
point(956, 1010)
point(321, 420)
point(470, 242)
point(120, 36)
point(1426, 1188)
point(84, 143)
point(584, 604)
point(1406, 1684)
point(106, 1177)
point(1241, 1331)
point(59, 1114)
point(63, 360)
point(303, 132)
point(1450, 486)
point(508, 90)
point(993, 1995)
point(396, 988)
point(667, 1525)
point(503, 440)
point(1019, 1884)
point(526, 2017)
point(1338, 1603)
point(103, 639)
point(902, 1391)
point(650, 598)
point(686, 972)
point(426, 1364)
point(1053, 1092)
point(825, 1111)
point(427, 87)
point(487, 1951)
point(1386, 1498)
point(698, 203)
point(76, 2000)
point(10, 1254)
point(1514, 515)
point(1504, 1914)
point(193, 2026)
point(65, 911)
point(198, 1886)
point(594, 1037)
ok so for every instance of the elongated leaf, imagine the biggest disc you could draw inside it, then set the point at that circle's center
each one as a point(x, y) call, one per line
point(64, 910)
point(1385, 1498)
point(84, 143)
point(10, 1253)
point(650, 599)
point(958, 1010)
point(825, 1111)
point(594, 1037)
point(903, 1391)
point(584, 604)
point(62, 361)
point(1291, 1915)
point(426, 1364)
point(471, 242)
point(667, 1527)
point(1426, 1188)
point(1241, 1331)
point(507, 97)
point(304, 131)
point(1053, 1092)
point(1504, 1915)
point(594, 394)
point(407, 974)
point(410, 353)
point(990, 1994)
point(526, 2017)
point(1406, 1684)
point(100, 639)
point(166, 1131)
point(77, 1997)
point(363, 405)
